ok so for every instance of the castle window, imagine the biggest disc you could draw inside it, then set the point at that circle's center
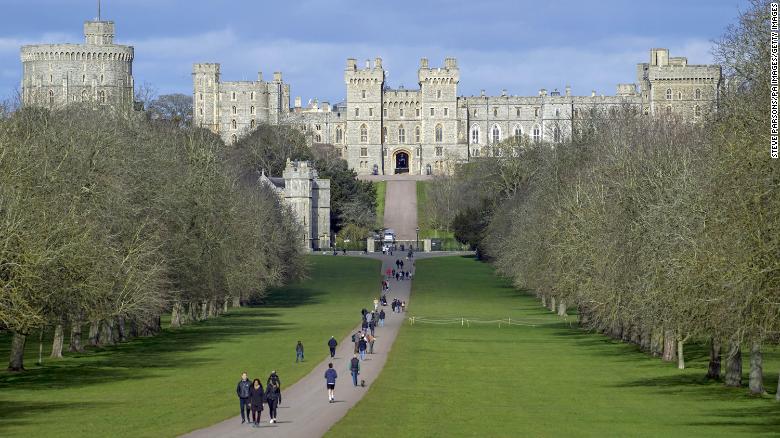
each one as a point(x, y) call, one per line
point(318, 138)
point(101, 79)
point(557, 113)
point(83, 78)
point(668, 110)
point(417, 134)
point(233, 124)
point(201, 111)
point(200, 96)
point(384, 112)
point(363, 152)
point(433, 111)
point(679, 95)
point(697, 94)
point(363, 134)
point(51, 79)
point(576, 112)
point(537, 134)
point(370, 112)
point(251, 110)
point(446, 112)
point(233, 96)
point(518, 131)
point(439, 151)
point(51, 98)
point(697, 111)
point(557, 135)
point(233, 138)
point(235, 110)
point(475, 112)
point(496, 134)
point(417, 112)
point(317, 127)
point(401, 134)
point(357, 112)
point(252, 95)
point(439, 134)
point(252, 124)
point(517, 111)
point(475, 134)
point(401, 112)
point(102, 96)
point(363, 94)
point(384, 134)
point(668, 94)
point(84, 96)
point(495, 112)
point(438, 94)
point(339, 135)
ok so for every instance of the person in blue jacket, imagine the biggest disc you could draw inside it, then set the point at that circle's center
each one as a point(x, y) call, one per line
point(330, 382)
point(243, 391)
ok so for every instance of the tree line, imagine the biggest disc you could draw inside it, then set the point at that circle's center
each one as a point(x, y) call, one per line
point(659, 231)
point(108, 221)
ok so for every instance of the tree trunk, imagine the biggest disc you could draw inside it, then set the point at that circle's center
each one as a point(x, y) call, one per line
point(646, 341)
point(56, 345)
point(544, 300)
point(582, 315)
point(734, 366)
point(16, 363)
point(176, 311)
point(40, 347)
point(94, 333)
point(106, 333)
point(134, 328)
point(562, 308)
point(204, 310)
point(670, 344)
point(656, 342)
point(713, 370)
point(225, 305)
point(237, 301)
point(75, 338)
point(756, 370)
point(680, 355)
point(212, 308)
point(552, 304)
point(121, 329)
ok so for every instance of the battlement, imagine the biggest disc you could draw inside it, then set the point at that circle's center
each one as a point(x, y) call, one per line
point(99, 33)
point(298, 170)
point(447, 74)
point(206, 67)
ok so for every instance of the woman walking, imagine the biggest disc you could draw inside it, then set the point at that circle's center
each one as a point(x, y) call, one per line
point(272, 397)
point(256, 396)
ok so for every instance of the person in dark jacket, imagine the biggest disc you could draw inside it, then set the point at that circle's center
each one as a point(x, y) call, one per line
point(382, 318)
point(274, 378)
point(273, 397)
point(354, 368)
point(299, 352)
point(364, 326)
point(362, 346)
point(243, 392)
point(332, 343)
point(330, 382)
point(256, 398)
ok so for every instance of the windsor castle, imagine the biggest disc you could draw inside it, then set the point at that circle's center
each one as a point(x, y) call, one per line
point(377, 129)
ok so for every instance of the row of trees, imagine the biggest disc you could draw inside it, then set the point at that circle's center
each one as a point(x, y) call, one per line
point(659, 232)
point(110, 221)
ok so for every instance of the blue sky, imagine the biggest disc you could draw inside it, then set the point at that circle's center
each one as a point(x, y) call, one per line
point(520, 46)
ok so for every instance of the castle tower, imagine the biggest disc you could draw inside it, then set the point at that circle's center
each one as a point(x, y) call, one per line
point(99, 33)
point(298, 177)
point(439, 100)
point(206, 80)
point(364, 116)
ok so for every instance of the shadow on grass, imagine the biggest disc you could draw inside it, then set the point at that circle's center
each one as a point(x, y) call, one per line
point(19, 413)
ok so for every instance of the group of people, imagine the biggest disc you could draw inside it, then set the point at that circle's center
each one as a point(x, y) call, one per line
point(252, 396)
point(398, 306)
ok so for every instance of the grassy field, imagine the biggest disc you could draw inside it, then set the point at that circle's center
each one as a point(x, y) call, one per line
point(381, 189)
point(550, 380)
point(184, 379)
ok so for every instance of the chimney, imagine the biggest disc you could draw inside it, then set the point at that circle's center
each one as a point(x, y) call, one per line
point(482, 93)
point(593, 93)
point(568, 90)
point(378, 63)
point(423, 62)
point(259, 76)
point(351, 64)
point(368, 63)
point(298, 102)
point(277, 76)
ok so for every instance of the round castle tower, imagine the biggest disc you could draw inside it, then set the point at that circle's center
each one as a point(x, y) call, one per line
point(97, 71)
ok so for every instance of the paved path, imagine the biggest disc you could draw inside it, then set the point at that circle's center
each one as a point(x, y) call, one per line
point(306, 412)
point(401, 208)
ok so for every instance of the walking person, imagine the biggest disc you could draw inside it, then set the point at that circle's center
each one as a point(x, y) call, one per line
point(354, 368)
point(372, 326)
point(274, 378)
point(364, 325)
point(362, 346)
point(371, 340)
point(382, 318)
point(256, 398)
point(243, 391)
point(355, 339)
point(330, 382)
point(299, 352)
point(273, 397)
point(376, 304)
point(332, 343)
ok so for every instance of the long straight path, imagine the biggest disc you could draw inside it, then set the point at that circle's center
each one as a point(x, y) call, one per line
point(401, 208)
point(305, 412)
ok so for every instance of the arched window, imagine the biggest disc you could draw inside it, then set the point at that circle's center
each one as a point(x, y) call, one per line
point(363, 94)
point(233, 124)
point(416, 134)
point(668, 94)
point(318, 138)
point(401, 112)
point(537, 134)
point(84, 96)
point(235, 110)
point(679, 95)
point(252, 95)
point(201, 110)
point(252, 124)
point(251, 110)
point(475, 134)
point(439, 134)
point(339, 134)
point(518, 131)
point(495, 112)
point(697, 111)
point(697, 94)
point(557, 135)
point(438, 94)
point(233, 138)
point(357, 112)
point(557, 112)
point(102, 96)
point(401, 134)
point(363, 134)
point(233, 96)
point(495, 134)
point(51, 98)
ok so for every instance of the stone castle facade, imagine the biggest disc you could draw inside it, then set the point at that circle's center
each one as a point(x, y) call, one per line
point(97, 71)
point(381, 130)
point(309, 198)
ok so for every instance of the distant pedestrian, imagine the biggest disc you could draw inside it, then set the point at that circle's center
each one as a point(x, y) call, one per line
point(256, 397)
point(364, 326)
point(371, 327)
point(382, 318)
point(274, 378)
point(332, 345)
point(243, 391)
point(330, 382)
point(362, 346)
point(355, 339)
point(403, 306)
point(371, 340)
point(273, 397)
point(299, 352)
point(376, 303)
point(369, 317)
point(354, 368)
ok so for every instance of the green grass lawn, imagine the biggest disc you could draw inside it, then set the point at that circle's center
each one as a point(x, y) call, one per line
point(185, 379)
point(381, 189)
point(551, 380)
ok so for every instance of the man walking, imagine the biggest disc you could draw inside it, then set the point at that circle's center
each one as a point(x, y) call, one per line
point(299, 352)
point(332, 345)
point(330, 382)
point(362, 346)
point(382, 318)
point(354, 368)
point(243, 390)
point(371, 326)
